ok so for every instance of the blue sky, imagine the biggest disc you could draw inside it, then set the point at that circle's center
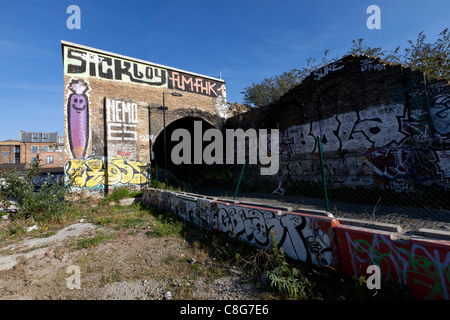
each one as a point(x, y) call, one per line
point(244, 41)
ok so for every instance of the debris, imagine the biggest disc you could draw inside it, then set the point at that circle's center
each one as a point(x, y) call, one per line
point(32, 228)
point(168, 295)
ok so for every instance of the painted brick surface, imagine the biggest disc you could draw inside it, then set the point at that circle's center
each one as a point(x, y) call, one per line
point(112, 109)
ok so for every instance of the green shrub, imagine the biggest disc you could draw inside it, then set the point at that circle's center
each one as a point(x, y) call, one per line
point(43, 204)
point(119, 193)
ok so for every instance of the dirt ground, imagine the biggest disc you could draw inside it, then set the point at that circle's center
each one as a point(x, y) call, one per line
point(127, 265)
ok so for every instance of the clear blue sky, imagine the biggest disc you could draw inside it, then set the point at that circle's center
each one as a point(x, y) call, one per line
point(245, 41)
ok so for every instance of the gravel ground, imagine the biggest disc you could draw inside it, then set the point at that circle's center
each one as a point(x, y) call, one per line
point(128, 266)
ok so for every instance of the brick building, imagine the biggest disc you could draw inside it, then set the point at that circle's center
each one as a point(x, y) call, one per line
point(9, 151)
point(114, 117)
point(45, 146)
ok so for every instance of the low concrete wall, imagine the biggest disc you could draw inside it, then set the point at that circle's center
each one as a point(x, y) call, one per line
point(416, 261)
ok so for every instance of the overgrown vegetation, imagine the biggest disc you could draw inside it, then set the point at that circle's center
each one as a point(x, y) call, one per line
point(270, 269)
point(42, 204)
point(432, 58)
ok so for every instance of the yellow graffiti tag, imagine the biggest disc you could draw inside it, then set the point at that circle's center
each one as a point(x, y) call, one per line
point(92, 172)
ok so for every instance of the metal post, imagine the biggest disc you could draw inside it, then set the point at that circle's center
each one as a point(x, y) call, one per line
point(165, 149)
point(242, 172)
point(323, 176)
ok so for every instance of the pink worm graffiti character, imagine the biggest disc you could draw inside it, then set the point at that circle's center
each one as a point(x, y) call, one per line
point(78, 118)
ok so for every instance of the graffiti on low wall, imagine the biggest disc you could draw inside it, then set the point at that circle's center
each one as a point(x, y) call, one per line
point(420, 265)
point(97, 172)
point(304, 238)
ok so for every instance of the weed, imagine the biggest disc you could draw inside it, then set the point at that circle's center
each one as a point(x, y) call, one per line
point(93, 241)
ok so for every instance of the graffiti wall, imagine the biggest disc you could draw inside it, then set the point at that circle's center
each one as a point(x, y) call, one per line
point(96, 173)
point(82, 62)
point(418, 263)
point(112, 110)
point(381, 126)
point(303, 237)
point(77, 112)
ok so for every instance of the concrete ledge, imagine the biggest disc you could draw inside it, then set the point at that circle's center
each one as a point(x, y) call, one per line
point(129, 201)
point(314, 212)
point(371, 225)
point(432, 234)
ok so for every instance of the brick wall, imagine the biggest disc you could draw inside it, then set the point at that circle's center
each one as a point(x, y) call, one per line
point(381, 125)
point(112, 103)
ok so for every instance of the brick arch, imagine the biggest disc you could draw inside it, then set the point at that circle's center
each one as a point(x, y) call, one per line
point(157, 123)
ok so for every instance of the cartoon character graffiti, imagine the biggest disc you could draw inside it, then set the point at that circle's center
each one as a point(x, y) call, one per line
point(78, 117)
point(440, 114)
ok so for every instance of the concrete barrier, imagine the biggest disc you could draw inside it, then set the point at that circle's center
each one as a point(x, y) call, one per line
point(416, 261)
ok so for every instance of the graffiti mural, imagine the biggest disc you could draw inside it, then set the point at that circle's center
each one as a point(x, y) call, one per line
point(185, 82)
point(95, 172)
point(371, 128)
point(84, 63)
point(81, 62)
point(78, 117)
point(301, 237)
point(442, 163)
point(440, 114)
point(419, 265)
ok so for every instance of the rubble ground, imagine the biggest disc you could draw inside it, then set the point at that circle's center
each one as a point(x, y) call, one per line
point(123, 253)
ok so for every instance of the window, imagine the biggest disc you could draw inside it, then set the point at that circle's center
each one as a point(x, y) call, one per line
point(33, 159)
point(5, 154)
point(16, 149)
point(34, 149)
point(16, 159)
point(44, 148)
point(49, 159)
point(61, 139)
point(44, 137)
point(34, 137)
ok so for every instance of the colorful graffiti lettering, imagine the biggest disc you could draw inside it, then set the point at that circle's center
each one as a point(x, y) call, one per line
point(95, 172)
point(415, 264)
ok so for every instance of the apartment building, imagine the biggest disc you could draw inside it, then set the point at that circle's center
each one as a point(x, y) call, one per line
point(10, 152)
point(45, 146)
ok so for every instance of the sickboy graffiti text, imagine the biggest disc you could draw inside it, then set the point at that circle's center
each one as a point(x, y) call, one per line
point(84, 63)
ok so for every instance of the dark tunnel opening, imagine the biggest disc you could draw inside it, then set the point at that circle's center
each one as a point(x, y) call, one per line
point(192, 174)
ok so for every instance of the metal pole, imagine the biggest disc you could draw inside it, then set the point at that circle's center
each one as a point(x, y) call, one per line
point(165, 149)
point(242, 172)
point(323, 175)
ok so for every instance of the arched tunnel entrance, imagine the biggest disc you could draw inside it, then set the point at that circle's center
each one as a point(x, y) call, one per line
point(185, 173)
